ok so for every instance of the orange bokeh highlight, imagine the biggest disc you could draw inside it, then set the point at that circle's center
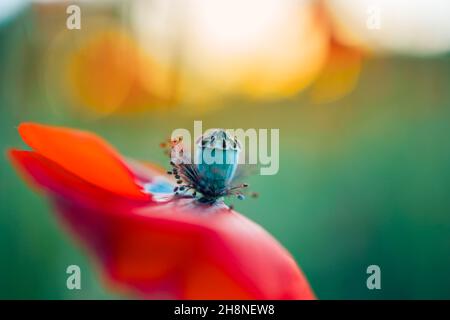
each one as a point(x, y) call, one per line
point(339, 75)
point(110, 73)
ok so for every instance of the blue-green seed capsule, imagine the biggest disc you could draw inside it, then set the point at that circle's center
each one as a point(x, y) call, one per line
point(217, 155)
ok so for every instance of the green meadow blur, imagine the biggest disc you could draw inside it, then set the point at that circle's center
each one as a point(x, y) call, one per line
point(363, 180)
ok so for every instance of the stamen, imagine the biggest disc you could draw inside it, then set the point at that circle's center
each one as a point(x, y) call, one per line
point(254, 195)
point(211, 181)
point(244, 185)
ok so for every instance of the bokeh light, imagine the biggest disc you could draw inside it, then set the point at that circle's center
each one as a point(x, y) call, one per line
point(412, 27)
point(256, 49)
point(109, 72)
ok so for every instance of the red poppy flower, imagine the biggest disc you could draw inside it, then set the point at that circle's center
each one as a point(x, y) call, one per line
point(180, 248)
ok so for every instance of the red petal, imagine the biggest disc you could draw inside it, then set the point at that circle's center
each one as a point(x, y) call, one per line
point(170, 250)
point(235, 258)
point(194, 253)
point(61, 183)
point(85, 155)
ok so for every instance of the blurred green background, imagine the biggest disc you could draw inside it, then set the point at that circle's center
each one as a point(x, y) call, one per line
point(363, 180)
